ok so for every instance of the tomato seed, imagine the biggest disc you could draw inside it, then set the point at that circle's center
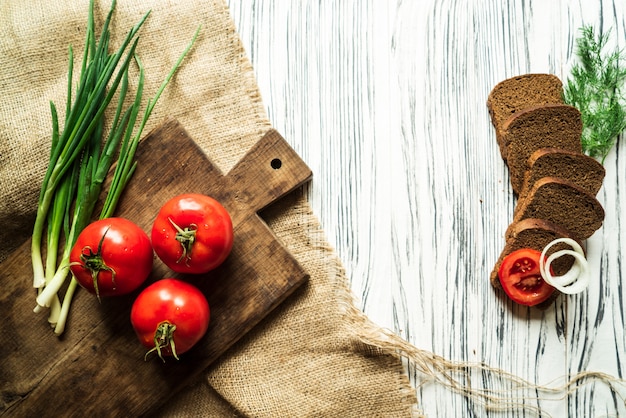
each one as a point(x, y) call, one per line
point(522, 266)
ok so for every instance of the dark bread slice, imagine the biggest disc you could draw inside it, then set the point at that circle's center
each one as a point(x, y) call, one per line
point(546, 126)
point(575, 167)
point(517, 93)
point(535, 234)
point(562, 203)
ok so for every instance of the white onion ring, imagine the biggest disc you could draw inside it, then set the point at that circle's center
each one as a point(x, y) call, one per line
point(568, 241)
point(566, 279)
point(580, 283)
point(577, 277)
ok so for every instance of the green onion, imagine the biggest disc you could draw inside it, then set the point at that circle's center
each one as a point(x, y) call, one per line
point(81, 157)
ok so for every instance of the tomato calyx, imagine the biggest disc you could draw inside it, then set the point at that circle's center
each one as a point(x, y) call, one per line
point(95, 264)
point(186, 237)
point(163, 338)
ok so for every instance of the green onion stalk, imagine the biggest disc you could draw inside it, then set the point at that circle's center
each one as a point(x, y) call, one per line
point(81, 156)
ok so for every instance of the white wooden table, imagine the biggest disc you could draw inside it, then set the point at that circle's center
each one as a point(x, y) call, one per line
point(386, 103)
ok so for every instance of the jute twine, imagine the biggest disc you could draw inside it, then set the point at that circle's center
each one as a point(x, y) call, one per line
point(316, 354)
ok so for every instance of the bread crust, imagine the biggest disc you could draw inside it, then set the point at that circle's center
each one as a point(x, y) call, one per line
point(517, 93)
point(545, 126)
point(563, 203)
point(578, 168)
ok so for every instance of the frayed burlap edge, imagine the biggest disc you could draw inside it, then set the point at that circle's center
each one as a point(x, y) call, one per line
point(355, 319)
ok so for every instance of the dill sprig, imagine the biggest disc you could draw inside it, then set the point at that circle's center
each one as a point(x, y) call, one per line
point(596, 88)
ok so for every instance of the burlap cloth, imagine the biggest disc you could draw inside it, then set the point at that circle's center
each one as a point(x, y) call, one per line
point(316, 355)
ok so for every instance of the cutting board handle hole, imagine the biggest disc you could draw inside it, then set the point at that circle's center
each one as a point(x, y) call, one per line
point(276, 163)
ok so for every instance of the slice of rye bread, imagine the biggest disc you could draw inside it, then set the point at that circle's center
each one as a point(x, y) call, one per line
point(545, 126)
point(562, 203)
point(535, 234)
point(518, 93)
point(580, 169)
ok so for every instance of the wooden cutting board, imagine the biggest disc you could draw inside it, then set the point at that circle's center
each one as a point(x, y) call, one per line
point(97, 368)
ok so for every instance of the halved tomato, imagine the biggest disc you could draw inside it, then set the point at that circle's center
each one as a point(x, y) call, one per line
point(521, 278)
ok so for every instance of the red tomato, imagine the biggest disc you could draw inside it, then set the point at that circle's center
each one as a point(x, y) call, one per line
point(192, 233)
point(111, 257)
point(521, 279)
point(170, 316)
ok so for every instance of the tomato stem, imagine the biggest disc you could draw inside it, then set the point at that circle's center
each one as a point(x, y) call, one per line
point(95, 264)
point(164, 337)
point(186, 237)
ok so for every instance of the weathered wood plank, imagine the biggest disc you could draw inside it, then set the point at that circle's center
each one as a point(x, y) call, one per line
point(386, 102)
